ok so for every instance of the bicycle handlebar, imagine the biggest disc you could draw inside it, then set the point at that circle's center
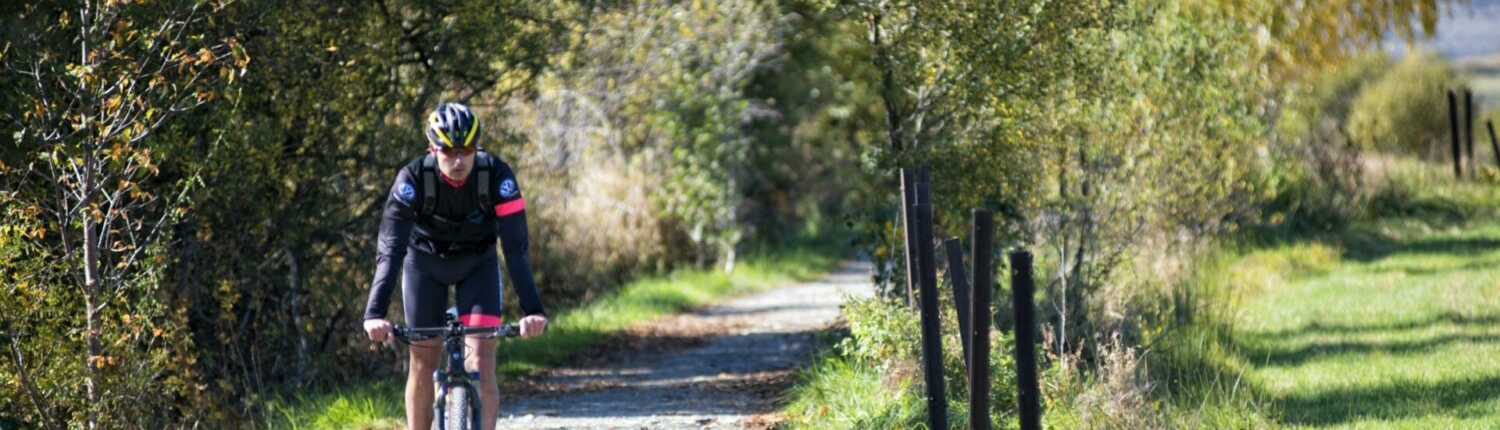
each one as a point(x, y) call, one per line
point(409, 334)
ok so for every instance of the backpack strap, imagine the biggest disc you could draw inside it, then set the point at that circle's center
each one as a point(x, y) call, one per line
point(429, 181)
point(482, 170)
point(429, 186)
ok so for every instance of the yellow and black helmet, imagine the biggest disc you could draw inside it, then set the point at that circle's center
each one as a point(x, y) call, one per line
point(452, 125)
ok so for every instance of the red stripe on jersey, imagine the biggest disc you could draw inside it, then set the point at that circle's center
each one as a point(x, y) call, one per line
point(510, 207)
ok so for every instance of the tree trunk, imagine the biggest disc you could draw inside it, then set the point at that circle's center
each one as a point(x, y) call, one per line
point(887, 86)
point(293, 277)
point(91, 293)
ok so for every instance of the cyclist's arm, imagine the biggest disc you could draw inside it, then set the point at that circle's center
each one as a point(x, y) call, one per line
point(510, 212)
point(395, 231)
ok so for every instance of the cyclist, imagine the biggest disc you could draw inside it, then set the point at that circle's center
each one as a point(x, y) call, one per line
point(434, 235)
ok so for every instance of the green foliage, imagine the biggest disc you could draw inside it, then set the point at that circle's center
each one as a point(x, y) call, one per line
point(89, 214)
point(879, 368)
point(1329, 94)
point(1306, 38)
point(678, 130)
point(1406, 110)
point(1154, 145)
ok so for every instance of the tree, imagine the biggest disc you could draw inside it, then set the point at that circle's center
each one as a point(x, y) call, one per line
point(1303, 37)
point(654, 95)
point(956, 80)
point(101, 78)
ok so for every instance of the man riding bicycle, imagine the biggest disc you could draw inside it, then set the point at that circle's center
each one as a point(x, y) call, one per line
point(440, 223)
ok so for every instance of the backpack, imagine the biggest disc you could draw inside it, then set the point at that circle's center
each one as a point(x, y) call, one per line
point(429, 179)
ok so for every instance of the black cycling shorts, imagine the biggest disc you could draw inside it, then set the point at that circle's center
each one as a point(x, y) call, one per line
point(476, 285)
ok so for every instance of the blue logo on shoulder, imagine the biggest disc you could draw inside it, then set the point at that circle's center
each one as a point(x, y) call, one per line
point(406, 193)
point(508, 188)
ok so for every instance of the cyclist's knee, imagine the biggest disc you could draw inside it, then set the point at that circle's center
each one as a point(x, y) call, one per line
point(424, 356)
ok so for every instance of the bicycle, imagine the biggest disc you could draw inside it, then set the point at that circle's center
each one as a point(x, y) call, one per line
point(456, 405)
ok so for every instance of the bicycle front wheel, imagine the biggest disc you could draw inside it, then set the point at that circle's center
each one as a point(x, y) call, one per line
point(457, 408)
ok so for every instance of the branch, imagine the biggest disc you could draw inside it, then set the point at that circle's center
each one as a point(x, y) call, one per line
point(26, 384)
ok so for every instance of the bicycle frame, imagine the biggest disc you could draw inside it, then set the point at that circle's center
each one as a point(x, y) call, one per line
point(450, 372)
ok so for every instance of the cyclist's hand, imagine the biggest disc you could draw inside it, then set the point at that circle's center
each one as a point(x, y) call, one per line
point(533, 325)
point(378, 329)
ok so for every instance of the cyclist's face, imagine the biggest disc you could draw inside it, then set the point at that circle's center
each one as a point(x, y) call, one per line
point(454, 162)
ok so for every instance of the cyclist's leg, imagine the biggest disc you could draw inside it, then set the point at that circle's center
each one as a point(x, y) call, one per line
point(424, 299)
point(489, 389)
point(478, 299)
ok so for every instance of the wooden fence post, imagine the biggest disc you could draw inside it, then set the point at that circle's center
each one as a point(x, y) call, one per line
point(979, 360)
point(1023, 289)
point(1469, 130)
point(1494, 143)
point(908, 221)
point(1458, 171)
point(960, 281)
point(932, 340)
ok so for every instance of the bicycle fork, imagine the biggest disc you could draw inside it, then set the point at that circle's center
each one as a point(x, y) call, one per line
point(439, 408)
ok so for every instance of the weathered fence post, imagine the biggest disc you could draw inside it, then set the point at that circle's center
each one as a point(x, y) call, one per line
point(982, 258)
point(1494, 143)
point(1023, 289)
point(1458, 171)
point(908, 221)
point(960, 281)
point(932, 341)
point(1469, 130)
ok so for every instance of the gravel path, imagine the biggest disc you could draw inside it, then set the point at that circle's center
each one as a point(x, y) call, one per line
point(717, 368)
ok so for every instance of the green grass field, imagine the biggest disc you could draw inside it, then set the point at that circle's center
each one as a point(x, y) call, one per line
point(1389, 323)
point(1403, 332)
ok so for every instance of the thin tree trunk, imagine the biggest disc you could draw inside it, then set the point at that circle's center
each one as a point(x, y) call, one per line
point(28, 386)
point(293, 276)
point(887, 87)
point(91, 287)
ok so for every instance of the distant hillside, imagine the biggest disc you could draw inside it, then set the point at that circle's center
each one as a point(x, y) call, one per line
point(1484, 77)
point(1480, 65)
point(1468, 31)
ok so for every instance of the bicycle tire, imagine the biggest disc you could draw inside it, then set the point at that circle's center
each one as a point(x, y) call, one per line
point(456, 408)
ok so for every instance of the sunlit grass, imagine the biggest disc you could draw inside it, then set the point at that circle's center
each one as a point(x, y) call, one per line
point(839, 393)
point(1407, 336)
point(1389, 320)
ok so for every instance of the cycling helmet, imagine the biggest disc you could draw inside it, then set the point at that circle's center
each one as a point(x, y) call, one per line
point(452, 125)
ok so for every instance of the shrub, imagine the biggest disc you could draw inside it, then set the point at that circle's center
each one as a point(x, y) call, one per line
point(1330, 95)
point(1406, 110)
point(886, 336)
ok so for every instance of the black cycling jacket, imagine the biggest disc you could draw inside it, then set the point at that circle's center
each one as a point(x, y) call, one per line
point(457, 221)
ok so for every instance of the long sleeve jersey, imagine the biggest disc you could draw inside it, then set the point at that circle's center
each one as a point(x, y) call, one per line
point(457, 220)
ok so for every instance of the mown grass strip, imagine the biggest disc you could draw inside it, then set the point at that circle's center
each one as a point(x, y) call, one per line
point(1407, 337)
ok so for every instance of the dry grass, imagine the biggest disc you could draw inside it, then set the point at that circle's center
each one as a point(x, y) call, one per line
point(591, 204)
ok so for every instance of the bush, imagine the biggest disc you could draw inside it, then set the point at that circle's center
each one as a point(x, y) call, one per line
point(1330, 95)
point(886, 336)
point(1406, 110)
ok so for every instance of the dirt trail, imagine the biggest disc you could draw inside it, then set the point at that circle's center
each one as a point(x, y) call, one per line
point(718, 368)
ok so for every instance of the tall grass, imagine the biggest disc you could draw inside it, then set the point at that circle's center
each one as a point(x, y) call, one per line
point(839, 392)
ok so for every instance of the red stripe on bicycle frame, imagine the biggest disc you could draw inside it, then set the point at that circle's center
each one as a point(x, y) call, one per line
point(510, 207)
point(481, 320)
